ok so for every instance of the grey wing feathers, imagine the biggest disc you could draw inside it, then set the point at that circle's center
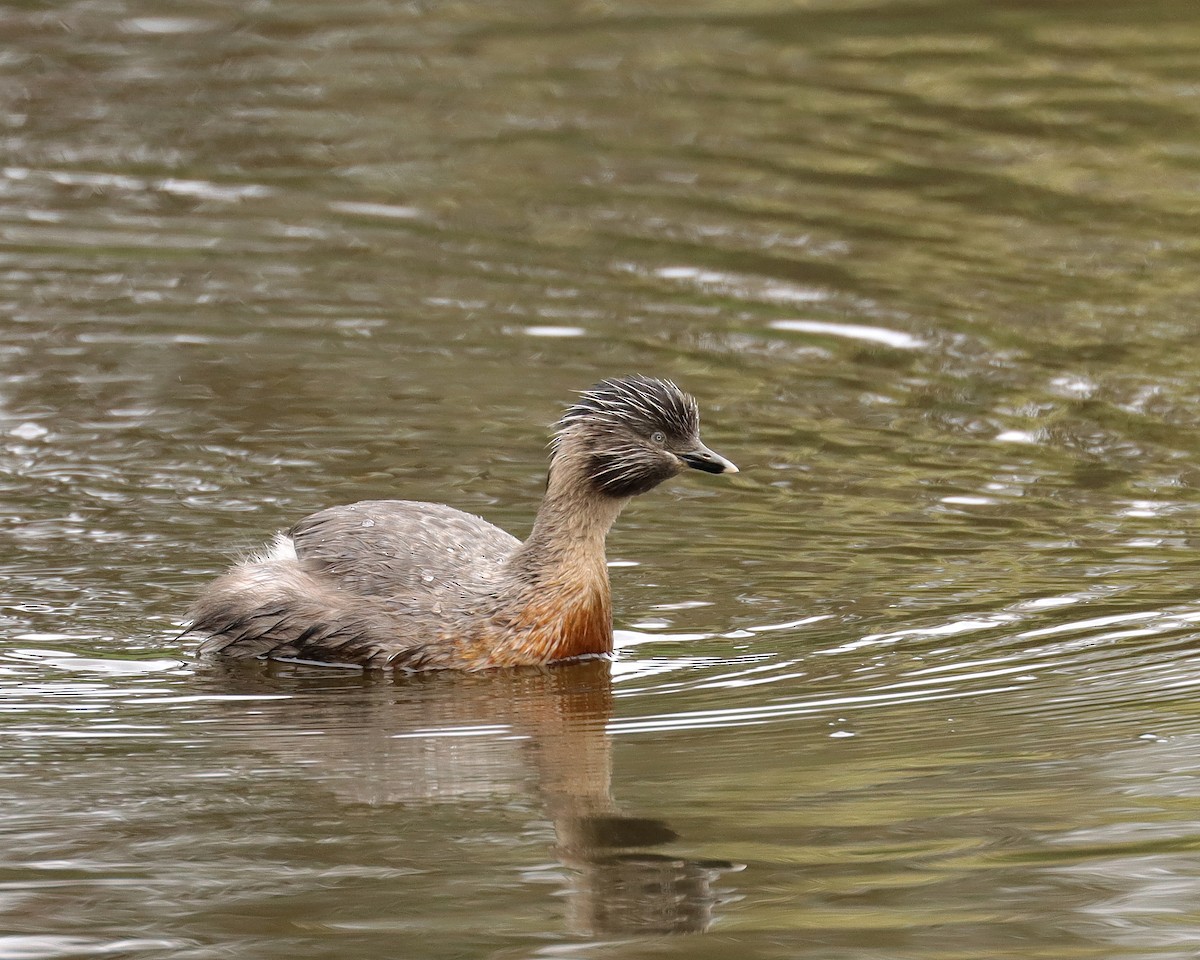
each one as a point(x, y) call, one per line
point(366, 586)
point(400, 549)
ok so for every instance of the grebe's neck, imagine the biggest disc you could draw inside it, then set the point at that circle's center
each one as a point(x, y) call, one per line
point(558, 578)
point(573, 516)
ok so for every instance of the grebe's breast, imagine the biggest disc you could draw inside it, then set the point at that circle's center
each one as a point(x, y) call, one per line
point(401, 550)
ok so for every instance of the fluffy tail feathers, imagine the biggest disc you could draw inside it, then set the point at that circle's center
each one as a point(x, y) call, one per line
point(273, 607)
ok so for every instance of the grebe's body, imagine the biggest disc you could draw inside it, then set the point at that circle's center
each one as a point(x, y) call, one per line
point(422, 586)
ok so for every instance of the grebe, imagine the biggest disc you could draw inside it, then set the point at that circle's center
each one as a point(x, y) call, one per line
point(396, 584)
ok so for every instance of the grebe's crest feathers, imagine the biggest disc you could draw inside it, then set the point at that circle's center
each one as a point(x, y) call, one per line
point(641, 403)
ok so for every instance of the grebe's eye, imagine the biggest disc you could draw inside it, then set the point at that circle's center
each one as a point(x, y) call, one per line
point(658, 437)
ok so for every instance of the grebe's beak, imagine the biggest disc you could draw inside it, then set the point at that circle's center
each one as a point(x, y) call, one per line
point(701, 458)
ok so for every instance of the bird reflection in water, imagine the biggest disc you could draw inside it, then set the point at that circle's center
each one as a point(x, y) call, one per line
point(439, 737)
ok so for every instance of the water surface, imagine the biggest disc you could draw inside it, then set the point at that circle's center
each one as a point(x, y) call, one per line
point(919, 683)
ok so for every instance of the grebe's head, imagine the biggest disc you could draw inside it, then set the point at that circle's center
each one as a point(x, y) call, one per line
point(632, 433)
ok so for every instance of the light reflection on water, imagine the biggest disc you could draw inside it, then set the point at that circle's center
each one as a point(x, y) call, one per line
point(918, 683)
point(544, 741)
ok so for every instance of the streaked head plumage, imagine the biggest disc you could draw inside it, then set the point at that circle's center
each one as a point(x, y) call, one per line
point(643, 404)
point(632, 433)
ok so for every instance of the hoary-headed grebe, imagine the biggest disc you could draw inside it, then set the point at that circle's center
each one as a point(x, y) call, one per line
point(422, 586)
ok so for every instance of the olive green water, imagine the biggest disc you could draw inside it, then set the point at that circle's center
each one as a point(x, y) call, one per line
point(920, 682)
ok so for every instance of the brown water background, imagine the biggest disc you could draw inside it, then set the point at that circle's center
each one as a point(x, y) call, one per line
point(918, 684)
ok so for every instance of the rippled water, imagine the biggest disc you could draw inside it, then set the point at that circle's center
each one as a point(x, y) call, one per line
point(920, 682)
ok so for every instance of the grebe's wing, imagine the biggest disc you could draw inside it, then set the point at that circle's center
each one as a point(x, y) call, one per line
point(400, 549)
